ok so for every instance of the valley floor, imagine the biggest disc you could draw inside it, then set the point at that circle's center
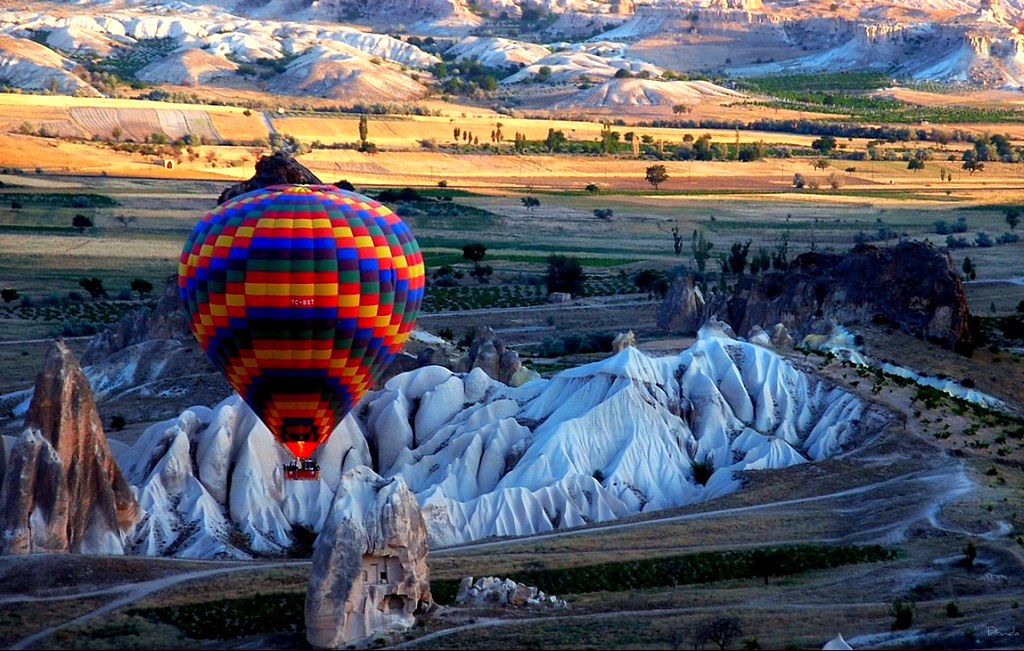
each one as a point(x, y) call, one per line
point(899, 490)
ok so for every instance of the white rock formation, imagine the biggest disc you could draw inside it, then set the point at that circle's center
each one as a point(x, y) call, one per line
point(837, 644)
point(29, 65)
point(491, 591)
point(369, 571)
point(594, 443)
point(498, 52)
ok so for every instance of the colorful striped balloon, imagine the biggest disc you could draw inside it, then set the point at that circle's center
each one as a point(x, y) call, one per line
point(301, 295)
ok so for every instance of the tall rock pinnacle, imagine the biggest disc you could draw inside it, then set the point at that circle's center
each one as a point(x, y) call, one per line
point(62, 490)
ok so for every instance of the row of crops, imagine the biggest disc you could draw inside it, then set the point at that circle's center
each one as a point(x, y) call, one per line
point(76, 318)
point(480, 297)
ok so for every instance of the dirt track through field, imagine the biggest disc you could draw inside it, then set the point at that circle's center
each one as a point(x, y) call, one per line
point(133, 593)
point(938, 486)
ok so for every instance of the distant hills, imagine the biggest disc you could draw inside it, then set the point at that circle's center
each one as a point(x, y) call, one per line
point(559, 53)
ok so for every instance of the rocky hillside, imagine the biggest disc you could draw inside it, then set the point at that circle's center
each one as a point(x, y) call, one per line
point(912, 286)
point(356, 51)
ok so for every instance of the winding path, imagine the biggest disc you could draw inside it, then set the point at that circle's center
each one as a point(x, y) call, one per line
point(942, 484)
point(132, 592)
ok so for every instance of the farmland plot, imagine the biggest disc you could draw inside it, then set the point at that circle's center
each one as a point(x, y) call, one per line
point(139, 124)
point(180, 123)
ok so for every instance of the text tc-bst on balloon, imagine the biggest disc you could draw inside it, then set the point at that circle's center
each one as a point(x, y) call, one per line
point(301, 295)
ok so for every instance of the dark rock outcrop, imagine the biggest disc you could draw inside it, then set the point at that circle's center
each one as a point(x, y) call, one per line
point(277, 169)
point(489, 353)
point(912, 286)
point(684, 310)
point(62, 490)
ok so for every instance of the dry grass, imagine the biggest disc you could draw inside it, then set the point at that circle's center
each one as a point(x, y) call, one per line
point(403, 161)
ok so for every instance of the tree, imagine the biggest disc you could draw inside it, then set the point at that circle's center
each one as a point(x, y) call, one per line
point(738, 257)
point(677, 240)
point(474, 252)
point(721, 631)
point(9, 294)
point(142, 286)
point(701, 247)
point(763, 564)
point(798, 181)
point(592, 188)
point(971, 162)
point(15, 205)
point(565, 274)
point(116, 132)
point(656, 175)
point(970, 554)
point(915, 164)
point(970, 271)
point(902, 613)
point(94, 286)
point(654, 282)
point(364, 128)
point(603, 213)
point(530, 202)
point(609, 139)
point(482, 272)
point(821, 164)
point(824, 144)
point(555, 140)
point(1012, 217)
point(81, 222)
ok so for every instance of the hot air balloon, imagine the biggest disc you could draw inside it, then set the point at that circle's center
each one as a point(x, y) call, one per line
point(301, 295)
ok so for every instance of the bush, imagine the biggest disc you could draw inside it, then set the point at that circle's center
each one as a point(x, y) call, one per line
point(474, 252)
point(75, 328)
point(565, 274)
point(702, 470)
point(902, 613)
point(952, 610)
point(117, 423)
point(405, 194)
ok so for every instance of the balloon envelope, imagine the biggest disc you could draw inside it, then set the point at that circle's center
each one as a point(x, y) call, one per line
point(301, 295)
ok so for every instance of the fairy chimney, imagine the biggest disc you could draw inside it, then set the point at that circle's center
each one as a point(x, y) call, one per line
point(369, 573)
point(62, 490)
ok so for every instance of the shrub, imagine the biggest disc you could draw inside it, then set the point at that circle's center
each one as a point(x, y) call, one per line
point(474, 252)
point(952, 610)
point(117, 423)
point(81, 222)
point(902, 613)
point(702, 470)
point(565, 274)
